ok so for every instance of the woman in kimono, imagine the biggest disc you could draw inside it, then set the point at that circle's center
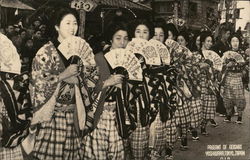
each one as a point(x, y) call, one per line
point(233, 94)
point(192, 77)
point(15, 110)
point(140, 103)
point(208, 97)
point(62, 95)
point(106, 141)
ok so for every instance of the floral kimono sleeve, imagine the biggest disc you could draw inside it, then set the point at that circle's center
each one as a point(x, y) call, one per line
point(46, 67)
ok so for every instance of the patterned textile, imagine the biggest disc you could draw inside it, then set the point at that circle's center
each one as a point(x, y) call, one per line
point(183, 117)
point(171, 132)
point(11, 153)
point(196, 108)
point(234, 86)
point(138, 142)
point(157, 138)
point(104, 143)
point(58, 139)
point(209, 101)
point(230, 103)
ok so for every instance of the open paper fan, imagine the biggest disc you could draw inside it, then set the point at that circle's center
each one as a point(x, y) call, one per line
point(146, 49)
point(9, 58)
point(121, 58)
point(233, 55)
point(214, 57)
point(162, 50)
point(172, 45)
point(79, 47)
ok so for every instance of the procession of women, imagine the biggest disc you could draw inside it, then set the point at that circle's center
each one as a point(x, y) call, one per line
point(147, 91)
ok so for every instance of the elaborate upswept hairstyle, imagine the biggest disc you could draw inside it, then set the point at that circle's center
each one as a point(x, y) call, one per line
point(136, 23)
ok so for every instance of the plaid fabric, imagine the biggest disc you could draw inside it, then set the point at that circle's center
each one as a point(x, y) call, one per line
point(58, 139)
point(157, 137)
point(183, 117)
point(234, 86)
point(209, 103)
point(11, 153)
point(104, 143)
point(230, 103)
point(138, 142)
point(196, 108)
point(171, 132)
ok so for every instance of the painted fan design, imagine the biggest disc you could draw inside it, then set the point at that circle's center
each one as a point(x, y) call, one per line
point(172, 45)
point(9, 58)
point(121, 58)
point(214, 57)
point(162, 50)
point(79, 47)
point(234, 55)
point(146, 49)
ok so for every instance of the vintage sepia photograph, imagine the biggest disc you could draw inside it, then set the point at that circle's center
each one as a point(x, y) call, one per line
point(124, 80)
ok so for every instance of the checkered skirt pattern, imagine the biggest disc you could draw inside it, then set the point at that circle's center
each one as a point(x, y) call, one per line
point(196, 109)
point(157, 138)
point(58, 139)
point(104, 143)
point(138, 142)
point(171, 132)
point(11, 153)
point(234, 87)
point(209, 102)
point(183, 117)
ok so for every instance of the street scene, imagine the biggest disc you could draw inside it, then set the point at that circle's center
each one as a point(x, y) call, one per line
point(124, 80)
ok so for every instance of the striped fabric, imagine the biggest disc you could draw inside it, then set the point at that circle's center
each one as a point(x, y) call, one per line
point(104, 143)
point(57, 139)
point(196, 109)
point(11, 153)
point(138, 142)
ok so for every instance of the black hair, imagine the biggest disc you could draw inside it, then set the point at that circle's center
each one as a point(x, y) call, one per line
point(193, 43)
point(112, 29)
point(159, 23)
point(57, 16)
point(237, 36)
point(184, 35)
point(171, 27)
point(136, 23)
point(204, 36)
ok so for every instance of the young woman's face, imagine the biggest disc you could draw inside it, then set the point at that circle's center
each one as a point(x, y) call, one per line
point(142, 32)
point(170, 35)
point(198, 42)
point(159, 34)
point(120, 39)
point(208, 43)
point(181, 40)
point(68, 26)
point(235, 43)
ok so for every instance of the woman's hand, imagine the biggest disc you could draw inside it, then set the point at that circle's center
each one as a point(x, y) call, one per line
point(71, 70)
point(113, 80)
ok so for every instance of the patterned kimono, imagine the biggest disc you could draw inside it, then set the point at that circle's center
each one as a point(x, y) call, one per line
point(60, 108)
point(233, 94)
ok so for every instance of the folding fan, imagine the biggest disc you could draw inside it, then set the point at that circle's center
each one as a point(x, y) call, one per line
point(9, 58)
point(172, 45)
point(214, 57)
point(121, 58)
point(146, 49)
point(233, 55)
point(162, 50)
point(79, 47)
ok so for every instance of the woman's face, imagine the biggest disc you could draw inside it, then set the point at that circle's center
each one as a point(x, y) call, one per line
point(208, 43)
point(181, 40)
point(120, 39)
point(235, 43)
point(67, 27)
point(170, 35)
point(198, 42)
point(142, 32)
point(159, 34)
